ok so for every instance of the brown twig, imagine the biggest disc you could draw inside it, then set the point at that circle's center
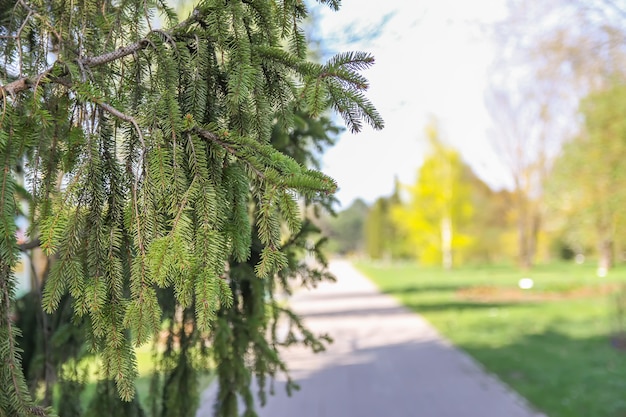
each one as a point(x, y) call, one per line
point(24, 83)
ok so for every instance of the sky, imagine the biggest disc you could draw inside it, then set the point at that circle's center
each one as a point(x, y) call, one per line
point(432, 60)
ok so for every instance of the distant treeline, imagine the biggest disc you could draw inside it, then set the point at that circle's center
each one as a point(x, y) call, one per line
point(449, 216)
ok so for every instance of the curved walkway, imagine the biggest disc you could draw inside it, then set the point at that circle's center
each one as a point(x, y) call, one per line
point(385, 361)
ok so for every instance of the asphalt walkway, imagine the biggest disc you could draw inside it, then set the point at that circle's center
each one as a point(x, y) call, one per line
point(385, 361)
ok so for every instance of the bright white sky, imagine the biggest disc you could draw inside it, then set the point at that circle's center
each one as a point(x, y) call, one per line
point(431, 60)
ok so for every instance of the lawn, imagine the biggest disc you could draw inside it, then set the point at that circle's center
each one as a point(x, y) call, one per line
point(553, 343)
point(145, 368)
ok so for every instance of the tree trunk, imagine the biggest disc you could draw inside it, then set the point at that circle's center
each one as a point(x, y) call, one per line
point(606, 255)
point(524, 257)
point(446, 242)
point(533, 235)
point(528, 223)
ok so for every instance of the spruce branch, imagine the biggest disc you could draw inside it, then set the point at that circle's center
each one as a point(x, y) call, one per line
point(210, 136)
point(26, 83)
point(115, 112)
point(332, 4)
point(33, 12)
point(150, 212)
point(107, 107)
point(196, 16)
point(22, 399)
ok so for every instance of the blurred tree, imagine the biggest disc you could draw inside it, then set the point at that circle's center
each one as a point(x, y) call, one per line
point(491, 223)
point(384, 239)
point(550, 56)
point(346, 229)
point(377, 226)
point(571, 47)
point(520, 137)
point(439, 205)
point(589, 176)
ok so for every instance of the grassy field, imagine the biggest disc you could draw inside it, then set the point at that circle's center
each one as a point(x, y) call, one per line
point(145, 367)
point(553, 344)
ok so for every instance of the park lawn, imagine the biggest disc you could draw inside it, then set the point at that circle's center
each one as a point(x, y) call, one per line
point(557, 353)
point(145, 367)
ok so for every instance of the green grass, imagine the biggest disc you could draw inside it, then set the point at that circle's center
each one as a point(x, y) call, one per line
point(145, 367)
point(557, 354)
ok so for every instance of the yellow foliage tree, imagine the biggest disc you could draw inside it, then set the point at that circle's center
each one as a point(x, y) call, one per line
point(439, 206)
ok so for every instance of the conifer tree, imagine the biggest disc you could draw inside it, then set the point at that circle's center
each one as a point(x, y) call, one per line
point(152, 182)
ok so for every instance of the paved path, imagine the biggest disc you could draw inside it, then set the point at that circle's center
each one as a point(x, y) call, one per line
point(385, 361)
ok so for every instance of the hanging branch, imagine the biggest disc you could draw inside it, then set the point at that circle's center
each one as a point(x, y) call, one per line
point(212, 137)
point(154, 211)
point(26, 83)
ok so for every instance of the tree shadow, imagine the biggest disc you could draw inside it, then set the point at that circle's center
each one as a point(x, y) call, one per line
point(567, 376)
point(408, 308)
point(570, 376)
point(313, 296)
point(464, 305)
point(423, 288)
point(401, 380)
point(374, 311)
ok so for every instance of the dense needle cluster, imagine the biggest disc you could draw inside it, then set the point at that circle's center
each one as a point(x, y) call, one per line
point(153, 184)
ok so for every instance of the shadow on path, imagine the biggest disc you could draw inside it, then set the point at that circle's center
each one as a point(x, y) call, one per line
point(425, 379)
point(385, 361)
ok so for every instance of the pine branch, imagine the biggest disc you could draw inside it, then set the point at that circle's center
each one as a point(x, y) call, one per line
point(33, 12)
point(210, 136)
point(26, 83)
point(12, 357)
point(115, 112)
point(197, 209)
